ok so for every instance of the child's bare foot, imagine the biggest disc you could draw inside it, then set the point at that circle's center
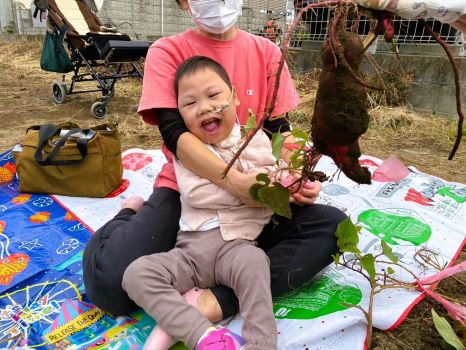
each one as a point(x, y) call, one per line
point(159, 339)
point(134, 202)
point(208, 306)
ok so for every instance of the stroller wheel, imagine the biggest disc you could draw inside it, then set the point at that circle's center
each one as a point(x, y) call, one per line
point(99, 110)
point(58, 92)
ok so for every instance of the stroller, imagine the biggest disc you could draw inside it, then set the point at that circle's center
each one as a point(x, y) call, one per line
point(96, 52)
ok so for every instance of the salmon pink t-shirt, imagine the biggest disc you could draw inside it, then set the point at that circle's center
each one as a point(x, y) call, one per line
point(251, 62)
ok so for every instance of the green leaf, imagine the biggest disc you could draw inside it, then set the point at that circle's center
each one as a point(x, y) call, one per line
point(348, 238)
point(297, 159)
point(263, 177)
point(387, 251)
point(336, 258)
point(250, 123)
point(349, 248)
point(390, 270)
point(301, 143)
point(276, 198)
point(300, 134)
point(348, 231)
point(280, 116)
point(277, 144)
point(446, 331)
point(367, 263)
point(253, 191)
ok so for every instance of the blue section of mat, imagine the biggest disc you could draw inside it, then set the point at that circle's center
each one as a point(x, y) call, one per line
point(36, 233)
point(42, 297)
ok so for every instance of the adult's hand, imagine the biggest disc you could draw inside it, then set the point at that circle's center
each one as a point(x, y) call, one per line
point(307, 193)
point(451, 11)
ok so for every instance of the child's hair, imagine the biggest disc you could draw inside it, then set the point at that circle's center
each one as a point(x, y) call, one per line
point(196, 63)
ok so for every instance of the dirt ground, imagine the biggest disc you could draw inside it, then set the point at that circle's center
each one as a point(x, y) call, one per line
point(417, 139)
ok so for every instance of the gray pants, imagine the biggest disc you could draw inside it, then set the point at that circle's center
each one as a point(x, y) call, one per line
point(203, 259)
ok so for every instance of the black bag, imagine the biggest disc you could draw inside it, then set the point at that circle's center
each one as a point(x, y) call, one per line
point(54, 57)
point(41, 7)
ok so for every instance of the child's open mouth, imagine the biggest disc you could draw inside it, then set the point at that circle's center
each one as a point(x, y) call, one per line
point(211, 125)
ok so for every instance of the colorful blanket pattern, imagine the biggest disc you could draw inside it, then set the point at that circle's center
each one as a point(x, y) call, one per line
point(43, 303)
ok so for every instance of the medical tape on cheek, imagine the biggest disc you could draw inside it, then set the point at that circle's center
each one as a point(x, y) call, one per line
point(223, 107)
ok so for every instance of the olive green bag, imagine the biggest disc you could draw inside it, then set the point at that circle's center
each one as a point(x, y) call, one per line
point(68, 160)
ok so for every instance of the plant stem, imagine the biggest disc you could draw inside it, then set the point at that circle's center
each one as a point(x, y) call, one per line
point(369, 317)
point(401, 266)
point(456, 70)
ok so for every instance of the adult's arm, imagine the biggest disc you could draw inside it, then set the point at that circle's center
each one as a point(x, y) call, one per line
point(460, 24)
point(196, 157)
point(451, 11)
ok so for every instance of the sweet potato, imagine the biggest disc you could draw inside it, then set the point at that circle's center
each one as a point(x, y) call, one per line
point(340, 114)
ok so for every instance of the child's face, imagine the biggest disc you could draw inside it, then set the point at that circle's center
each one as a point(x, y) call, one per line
point(200, 97)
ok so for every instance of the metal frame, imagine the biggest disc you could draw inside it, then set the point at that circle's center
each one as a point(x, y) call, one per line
point(106, 88)
point(100, 69)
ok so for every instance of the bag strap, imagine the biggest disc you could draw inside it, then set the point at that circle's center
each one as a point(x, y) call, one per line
point(61, 36)
point(46, 132)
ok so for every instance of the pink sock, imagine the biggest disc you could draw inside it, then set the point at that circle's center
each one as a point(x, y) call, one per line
point(159, 339)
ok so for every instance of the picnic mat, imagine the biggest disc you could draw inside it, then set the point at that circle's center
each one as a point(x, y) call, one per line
point(43, 303)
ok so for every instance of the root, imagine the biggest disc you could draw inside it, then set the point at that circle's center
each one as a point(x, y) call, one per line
point(456, 69)
point(339, 51)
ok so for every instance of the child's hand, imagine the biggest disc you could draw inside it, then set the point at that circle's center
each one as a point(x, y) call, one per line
point(240, 183)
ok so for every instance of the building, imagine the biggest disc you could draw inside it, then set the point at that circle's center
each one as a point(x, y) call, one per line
point(6, 16)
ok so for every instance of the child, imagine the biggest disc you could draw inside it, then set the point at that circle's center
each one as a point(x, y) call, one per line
point(215, 244)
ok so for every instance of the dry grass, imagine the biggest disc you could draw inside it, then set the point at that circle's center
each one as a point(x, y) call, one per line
point(424, 141)
point(19, 53)
point(301, 115)
point(136, 133)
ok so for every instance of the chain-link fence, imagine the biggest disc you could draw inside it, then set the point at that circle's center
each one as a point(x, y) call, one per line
point(157, 18)
point(315, 25)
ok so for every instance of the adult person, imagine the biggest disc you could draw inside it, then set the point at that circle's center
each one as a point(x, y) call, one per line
point(298, 248)
point(452, 12)
point(272, 31)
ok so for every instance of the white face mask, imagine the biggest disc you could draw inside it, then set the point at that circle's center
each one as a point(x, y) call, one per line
point(215, 16)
